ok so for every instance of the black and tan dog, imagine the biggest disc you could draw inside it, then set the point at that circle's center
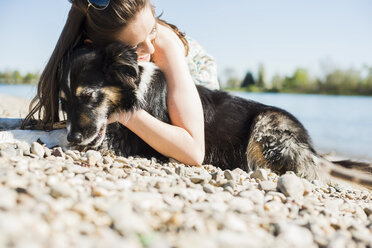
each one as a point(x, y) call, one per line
point(95, 83)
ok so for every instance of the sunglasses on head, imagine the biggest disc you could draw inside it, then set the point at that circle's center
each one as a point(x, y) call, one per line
point(98, 4)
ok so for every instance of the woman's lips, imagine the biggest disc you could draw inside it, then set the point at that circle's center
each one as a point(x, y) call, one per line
point(145, 58)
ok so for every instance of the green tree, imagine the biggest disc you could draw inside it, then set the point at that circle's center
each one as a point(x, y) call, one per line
point(261, 77)
point(17, 77)
point(227, 74)
point(7, 77)
point(299, 82)
point(366, 88)
point(276, 83)
point(346, 82)
point(233, 83)
point(30, 78)
point(248, 80)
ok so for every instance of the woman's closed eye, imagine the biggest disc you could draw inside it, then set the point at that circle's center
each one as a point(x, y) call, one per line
point(151, 37)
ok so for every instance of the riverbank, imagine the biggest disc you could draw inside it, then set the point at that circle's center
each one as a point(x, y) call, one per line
point(56, 198)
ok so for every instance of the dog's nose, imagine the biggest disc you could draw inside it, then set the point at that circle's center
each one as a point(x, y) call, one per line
point(75, 137)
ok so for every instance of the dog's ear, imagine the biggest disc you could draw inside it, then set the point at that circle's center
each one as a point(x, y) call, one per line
point(120, 63)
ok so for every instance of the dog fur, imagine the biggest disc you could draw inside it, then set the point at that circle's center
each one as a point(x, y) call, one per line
point(239, 133)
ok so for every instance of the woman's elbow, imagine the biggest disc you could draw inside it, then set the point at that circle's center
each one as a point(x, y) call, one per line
point(197, 157)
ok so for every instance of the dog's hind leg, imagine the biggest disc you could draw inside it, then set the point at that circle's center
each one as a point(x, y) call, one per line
point(279, 142)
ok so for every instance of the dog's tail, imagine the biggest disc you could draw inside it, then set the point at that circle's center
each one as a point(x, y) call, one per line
point(351, 171)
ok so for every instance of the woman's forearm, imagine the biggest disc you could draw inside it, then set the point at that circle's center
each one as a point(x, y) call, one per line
point(169, 140)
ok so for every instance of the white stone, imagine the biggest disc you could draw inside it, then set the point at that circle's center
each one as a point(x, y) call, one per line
point(8, 198)
point(72, 154)
point(267, 185)
point(291, 185)
point(93, 157)
point(260, 174)
point(37, 149)
point(255, 195)
point(62, 190)
point(126, 221)
point(296, 236)
point(208, 188)
point(25, 147)
point(229, 175)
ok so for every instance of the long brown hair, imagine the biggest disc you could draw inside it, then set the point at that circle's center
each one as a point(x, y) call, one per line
point(83, 22)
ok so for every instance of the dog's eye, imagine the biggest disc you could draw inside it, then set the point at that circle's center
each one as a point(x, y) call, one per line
point(90, 95)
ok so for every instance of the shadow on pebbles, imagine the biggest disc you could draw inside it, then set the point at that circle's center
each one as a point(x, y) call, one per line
point(66, 198)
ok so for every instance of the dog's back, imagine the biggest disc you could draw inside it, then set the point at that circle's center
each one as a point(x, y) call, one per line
point(250, 135)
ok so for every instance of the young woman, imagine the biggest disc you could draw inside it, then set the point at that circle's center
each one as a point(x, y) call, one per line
point(183, 61)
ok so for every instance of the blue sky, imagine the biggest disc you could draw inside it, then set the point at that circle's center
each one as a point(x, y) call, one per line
point(240, 34)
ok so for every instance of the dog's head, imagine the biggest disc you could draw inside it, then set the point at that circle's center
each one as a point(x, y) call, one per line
point(93, 84)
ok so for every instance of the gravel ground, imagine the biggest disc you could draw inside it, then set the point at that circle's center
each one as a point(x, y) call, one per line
point(66, 198)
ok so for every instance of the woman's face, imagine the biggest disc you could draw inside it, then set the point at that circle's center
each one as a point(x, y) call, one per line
point(140, 33)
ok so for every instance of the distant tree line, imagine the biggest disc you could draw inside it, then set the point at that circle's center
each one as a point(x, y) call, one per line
point(335, 82)
point(15, 77)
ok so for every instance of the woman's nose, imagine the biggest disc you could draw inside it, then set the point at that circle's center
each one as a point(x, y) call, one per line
point(147, 47)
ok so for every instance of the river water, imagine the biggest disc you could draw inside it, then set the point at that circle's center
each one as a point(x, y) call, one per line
point(341, 124)
point(24, 91)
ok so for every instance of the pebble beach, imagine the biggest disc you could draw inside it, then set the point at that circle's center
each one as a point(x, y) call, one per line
point(55, 197)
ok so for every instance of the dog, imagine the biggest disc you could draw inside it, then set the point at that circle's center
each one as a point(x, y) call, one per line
point(239, 133)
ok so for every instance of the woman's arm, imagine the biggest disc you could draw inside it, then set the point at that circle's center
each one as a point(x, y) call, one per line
point(184, 139)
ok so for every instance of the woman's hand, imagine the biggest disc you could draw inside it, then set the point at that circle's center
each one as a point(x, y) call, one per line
point(113, 118)
point(121, 117)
